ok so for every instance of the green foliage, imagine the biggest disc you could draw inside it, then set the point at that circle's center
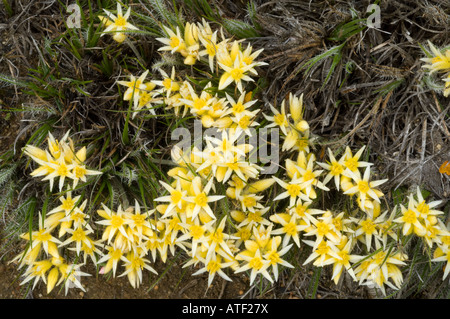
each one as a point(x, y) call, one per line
point(240, 29)
point(344, 31)
point(8, 8)
point(203, 8)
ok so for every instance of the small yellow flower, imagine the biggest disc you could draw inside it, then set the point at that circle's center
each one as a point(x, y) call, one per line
point(273, 255)
point(174, 42)
point(201, 199)
point(324, 253)
point(134, 264)
point(117, 24)
point(257, 264)
point(115, 222)
point(294, 189)
point(135, 87)
point(440, 61)
point(236, 73)
point(291, 227)
point(352, 162)
point(279, 119)
point(364, 188)
point(335, 169)
point(175, 198)
point(112, 259)
point(211, 47)
point(345, 261)
point(213, 266)
point(410, 220)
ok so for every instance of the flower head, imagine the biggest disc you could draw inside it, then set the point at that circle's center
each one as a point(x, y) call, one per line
point(117, 24)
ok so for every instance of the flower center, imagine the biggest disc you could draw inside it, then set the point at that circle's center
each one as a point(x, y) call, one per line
point(244, 234)
point(256, 263)
point(337, 223)
point(409, 217)
point(79, 171)
point(196, 231)
point(42, 236)
point(254, 217)
point(217, 237)
point(68, 204)
point(236, 74)
point(138, 220)
point(279, 119)
point(176, 196)
point(302, 143)
point(308, 176)
point(322, 248)
point(78, 235)
point(336, 169)
point(121, 21)
point(249, 201)
point(244, 122)
point(368, 226)
point(116, 254)
point(423, 208)
point(116, 221)
point(363, 186)
point(174, 42)
point(213, 266)
point(78, 217)
point(273, 257)
point(379, 258)
point(199, 104)
point(290, 229)
point(344, 256)
point(137, 263)
point(247, 60)
point(201, 199)
point(238, 108)
point(211, 49)
point(62, 170)
point(293, 190)
point(144, 98)
point(322, 228)
point(233, 166)
point(300, 210)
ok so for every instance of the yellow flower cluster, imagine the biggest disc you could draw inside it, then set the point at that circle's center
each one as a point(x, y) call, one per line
point(235, 65)
point(294, 128)
point(421, 219)
point(217, 206)
point(439, 62)
point(255, 240)
point(141, 93)
point(232, 227)
point(129, 236)
point(203, 223)
point(42, 255)
point(335, 235)
point(200, 42)
point(60, 160)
